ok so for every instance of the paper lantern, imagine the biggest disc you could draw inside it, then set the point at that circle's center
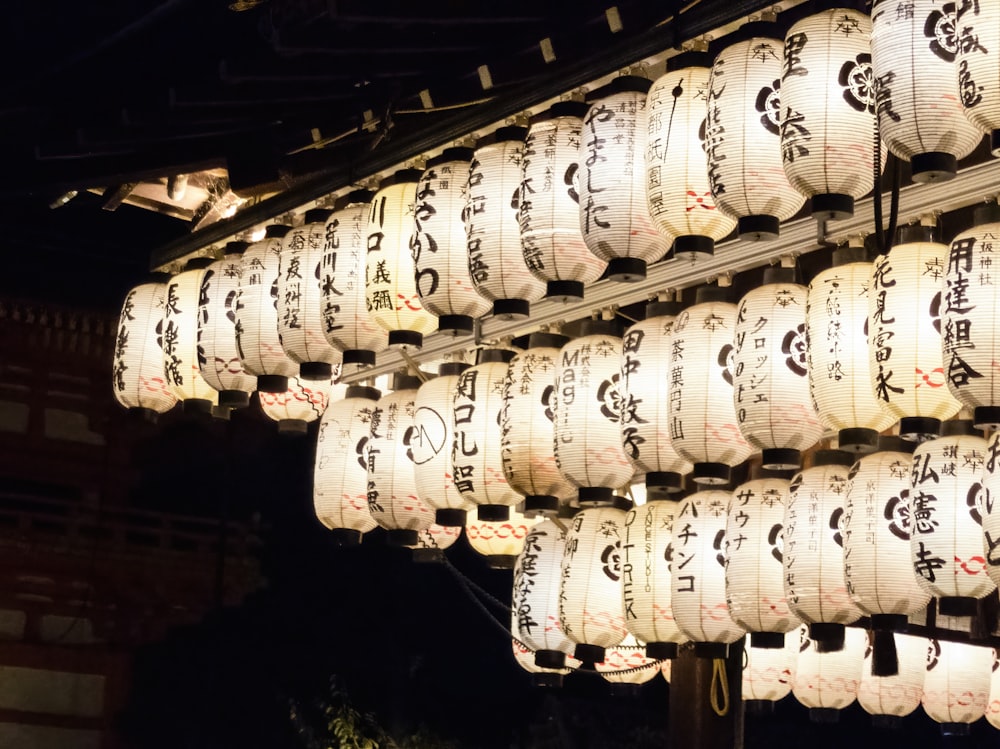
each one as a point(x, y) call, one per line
point(586, 404)
point(837, 352)
point(257, 338)
point(500, 541)
point(991, 508)
point(496, 261)
point(827, 681)
point(646, 586)
point(904, 337)
point(180, 338)
point(390, 275)
point(977, 28)
point(303, 402)
point(946, 511)
point(549, 203)
point(137, 368)
point(524, 656)
point(827, 110)
point(645, 396)
point(626, 666)
point(590, 599)
point(993, 706)
point(666, 668)
point(957, 684)
point(614, 213)
point(742, 134)
point(677, 184)
point(703, 426)
point(920, 114)
point(439, 244)
point(698, 574)
point(218, 356)
point(755, 589)
point(774, 409)
point(346, 323)
point(768, 673)
point(340, 473)
point(814, 557)
point(526, 432)
point(889, 698)
point(430, 542)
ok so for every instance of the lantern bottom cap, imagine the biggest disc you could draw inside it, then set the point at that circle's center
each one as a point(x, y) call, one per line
point(405, 339)
point(401, 537)
point(890, 622)
point(759, 707)
point(540, 504)
point(564, 291)
point(694, 244)
point(493, 513)
point(824, 715)
point(857, 440)
point(956, 606)
point(450, 517)
point(292, 427)
point(995, 142)
point(456, 325)
point(428, 556)
point(315, 370)
point(781, 459)
point(711, 650)
point(714, 474)
point(767, 640)
point(362, 357)
point(662, 484)
point(234, 398)
point(197, 406)
point(511, 309)
point(933, 166)
point(345, 536)
point(501, 561)
point(919, 428)
point(956, 729)
point(596, 496)
point(222, 413)
point(626, 269)
point(661, 650)
point(885, 658)
point(588, 653)
point(548, 681)
point(270, 383)
point(828, 636)
point(887, 722)
point(759, 228)
point(986, 417)
point(143, 415)
point(550, 659)
point(831, 206)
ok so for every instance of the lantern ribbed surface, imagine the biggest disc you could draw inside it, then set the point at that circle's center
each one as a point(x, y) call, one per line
point(978, 29)
point(439, 537)
point(219, 360)
point(180, 337)
point(137, 368)
point(586, 403)
point(768, 673)
point(900, 694)
point(957, 682)
point(993, 706)
point(500, 541)
point(439, 244)
point(627, 663)
point(991, 508)
point(390, 277)
point(877, 526)
point(703, 426)
point(614, 213)
point(346, 323)
point(774, 409)
point(677, 184)
point(829, 680)
point(946, 506)
point(340, 472)
point(755, 589)
point(742, 137)
point(304, 401)
point(827, 115)
point(493, 234)
point(920, 114)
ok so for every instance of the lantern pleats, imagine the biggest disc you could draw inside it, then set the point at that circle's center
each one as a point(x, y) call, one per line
point(180, 337)
point(991, 508)
point(978, 29)
point(500, 541)
point(896, 695)
point(957, 682)
point(829, 680)
point(438, 537)
point(137, 368)
point(768, 673)
point(993, 706)
point(627, 663)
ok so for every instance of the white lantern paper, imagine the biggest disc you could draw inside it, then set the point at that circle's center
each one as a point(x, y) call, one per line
point(774, 409)
point(920, 114)
point(496, 261)
point(827, 110)
point(137, 369)
point(768, 673)
point(303, 402)
point(977, 26)
point(432, 541)
point(257, 337)
point(180, 338)
point(957, 684)
point(614, 213)
point(677, 182)
point(742, 134)
point(439, 244)
point(888, 698)
point(991, 508)
point(645, 396)
point(549, 204)
point(346, 323)
point(703, 426)
point(340, 473)
point(826, 681)
point(525, 658)
point(627, 664)
point(500, 541)
point(390, 276)
point(588, 445)
point(993, 706)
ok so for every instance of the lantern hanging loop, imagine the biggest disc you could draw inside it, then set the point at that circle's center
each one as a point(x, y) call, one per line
point(719, 689)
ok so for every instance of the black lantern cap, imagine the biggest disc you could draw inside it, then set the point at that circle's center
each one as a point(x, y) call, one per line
point(292, 428)
point(316, 216)
point(691, 59)
point(663, 484)
point(832, 458)
point(451, 368)
point(760, 228)
point(693, 244)
point(713, 474)
point(235, 247)
point(831, 206)
point(403, 381)
point(511, 309)
point(626, 269)
point(550, 659)
point(919, 428)
point(456, 325)
point(712, 294)
point(455, 153)
point(345, 537)
point(598, 327)
point(540, 504)
point(355, 197)
point(956, 606)
point(711, 650)
point(273, 231)
point(767, 640)
point(857, 440)
point(450, 517)
point(315, 371)
point(892, 443)
point(493, 513)
point(564, 291)
point(661, 650)
point(234, 398)
point(828, 636)
point(361, 357)
point(586, 653)
point(933, 166)
point(547, 340)
point(363, 391)
point(405, 338)
point(271, 383)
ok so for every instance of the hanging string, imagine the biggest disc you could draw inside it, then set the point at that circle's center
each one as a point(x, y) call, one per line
point(476, 588)
point(719, 688)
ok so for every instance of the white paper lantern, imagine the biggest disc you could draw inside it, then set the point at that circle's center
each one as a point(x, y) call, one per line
point(946, 511)
point(698, 574)
point(614, 212)
point(627, 665)
point(742, 134)
point(814, 558)
point(755, 590)
point(303, 402)
point(434, 540)
point(920, 114)
point(993, 706)
point(586, 403)
point(340, 473)
point(346, 323)
point(957, 684)
point(645, 396)
point(825, 681)
point(440, 246)
point(827, 110)
point(703, 426)
point(889, 698)
point(390, 276)
point(500, 541)
point(257, 338)
point(137, 368)
point(180, 338)
point(768, 673)
point(991, 508)
point(549, 204)
point(904, 341)
point(774, 409)
point(677, 182)
point(977, 27)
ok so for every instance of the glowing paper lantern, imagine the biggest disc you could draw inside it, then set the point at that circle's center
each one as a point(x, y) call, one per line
point(993, 707)
point(614, 213)
point(774, 409)
point(703, 427)
point(588, 445)
point(742, 132)
point(827, 110)
point(626, 665)
point(549, 204)
point(340, 473)
point(303, 402)
point(431, 542)
point(645, 396)
point(390, 276)
point(977, 27)
point(957, 684)
point(768, 673)
point(920, 115)
point(904, 341)
point(525, 658)
point(827, 681)
point(991, 508)
point(180, 338)
point(677, 182)
point(889, 698)
point(257, 336)
point(440, 246)
point(500, 541)
point(137, 368)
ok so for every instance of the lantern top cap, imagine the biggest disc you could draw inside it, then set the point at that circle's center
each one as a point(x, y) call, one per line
point(451, 368)
point(273, 231)
point(663, 309)
point(847, 254)
point(158, 277)
point(401, 381)
point(363, 391)
point(711, 294)
point(916, 233)
point(959, 428)
point(832, 458)
point(198, 263)
point(316, 216)
point(776, 274)
point(457, 153)
point(987, 213)
point(598, 327)
point(547, 340)
point(495, 356)
point(892, 443)
point(692, 59)
point(562, 109)
point(757, 29)
point(354, 197)
point(620, 85)
point(500, 135)
point(401, 177)
point(235, 247)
